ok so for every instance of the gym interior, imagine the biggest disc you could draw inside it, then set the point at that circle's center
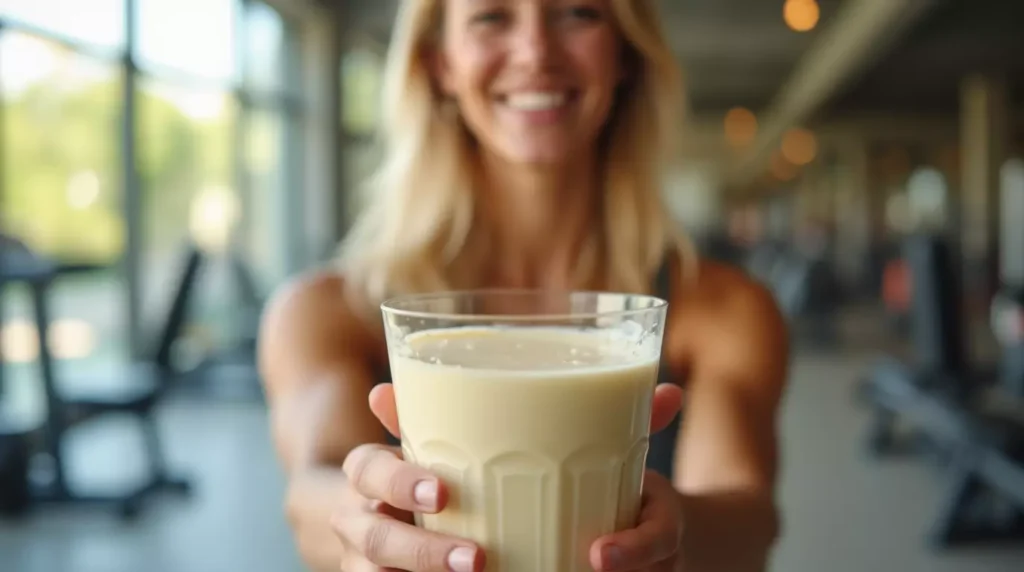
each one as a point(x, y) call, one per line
point(166, 164)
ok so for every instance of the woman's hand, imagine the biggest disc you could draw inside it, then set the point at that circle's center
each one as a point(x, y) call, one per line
point(374, 521)
point(374, 517)
point(653, 546)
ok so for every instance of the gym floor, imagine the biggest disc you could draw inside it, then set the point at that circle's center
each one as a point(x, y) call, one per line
point(843, 513)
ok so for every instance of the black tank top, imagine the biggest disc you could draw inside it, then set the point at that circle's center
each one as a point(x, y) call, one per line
point(661, 455)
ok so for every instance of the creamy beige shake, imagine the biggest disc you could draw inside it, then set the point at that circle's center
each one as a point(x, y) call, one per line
point(540, 433)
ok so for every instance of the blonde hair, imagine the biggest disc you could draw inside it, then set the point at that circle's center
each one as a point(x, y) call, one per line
point(414, 235)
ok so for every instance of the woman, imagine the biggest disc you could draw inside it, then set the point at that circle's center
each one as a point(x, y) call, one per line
point(524, 141)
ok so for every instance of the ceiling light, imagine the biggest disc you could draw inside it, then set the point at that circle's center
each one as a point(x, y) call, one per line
point(801, 15)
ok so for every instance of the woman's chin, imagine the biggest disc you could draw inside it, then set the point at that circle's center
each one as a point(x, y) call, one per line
point(541, 157)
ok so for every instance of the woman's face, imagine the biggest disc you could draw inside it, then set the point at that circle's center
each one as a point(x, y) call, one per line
point(534, 79)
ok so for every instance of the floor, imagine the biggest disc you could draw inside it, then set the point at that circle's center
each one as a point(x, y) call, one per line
point(842, 513)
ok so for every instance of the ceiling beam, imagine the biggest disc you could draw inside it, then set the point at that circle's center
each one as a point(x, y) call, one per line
point(860, 33)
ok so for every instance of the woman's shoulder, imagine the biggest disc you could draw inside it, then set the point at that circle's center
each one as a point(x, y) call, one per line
point(719, 305)
point(717, 290)
point(317, 308)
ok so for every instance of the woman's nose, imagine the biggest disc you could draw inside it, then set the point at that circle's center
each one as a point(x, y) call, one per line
point(533, 44)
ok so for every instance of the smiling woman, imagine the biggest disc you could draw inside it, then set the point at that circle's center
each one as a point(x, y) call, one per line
point(524, 147)
point(535, 83)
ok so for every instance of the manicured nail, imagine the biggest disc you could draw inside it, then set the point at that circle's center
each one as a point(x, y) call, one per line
point(611, 557)
point(461, 559)
point(425, 494)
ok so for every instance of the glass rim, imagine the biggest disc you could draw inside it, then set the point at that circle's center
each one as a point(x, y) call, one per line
point(391, 306)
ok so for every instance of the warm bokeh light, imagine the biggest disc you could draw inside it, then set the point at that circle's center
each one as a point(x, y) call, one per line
point(215, 211)
point(740, 127)
point(782, 169)
point(20, 341)
point(799, 146)
point(801, 15)
point(68, 339)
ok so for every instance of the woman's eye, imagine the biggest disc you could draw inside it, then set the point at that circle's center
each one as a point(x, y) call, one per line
point(490, 17)
point(582, 13)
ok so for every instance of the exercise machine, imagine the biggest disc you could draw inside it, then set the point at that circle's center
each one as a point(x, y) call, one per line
point(969, 418)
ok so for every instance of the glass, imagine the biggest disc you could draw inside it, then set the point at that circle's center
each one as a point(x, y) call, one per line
point(96, 22)
point(534, 409)
point(61, 197)
point(186, 168)
point(197, 37)
point(264, 48)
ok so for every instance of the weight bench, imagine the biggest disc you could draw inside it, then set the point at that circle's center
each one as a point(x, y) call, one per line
point(134, 390)
point(960, 414)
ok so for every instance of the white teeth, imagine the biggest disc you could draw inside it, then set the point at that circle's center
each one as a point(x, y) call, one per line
point(536, 100)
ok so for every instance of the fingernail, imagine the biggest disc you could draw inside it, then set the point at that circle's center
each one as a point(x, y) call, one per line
point(461, 559)
point(611, 557)
point(425, 494)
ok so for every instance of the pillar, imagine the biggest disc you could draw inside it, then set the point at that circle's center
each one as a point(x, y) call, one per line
point(984, 138)
point(852, 213)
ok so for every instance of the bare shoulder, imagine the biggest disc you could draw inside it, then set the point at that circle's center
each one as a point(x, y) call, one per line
point(731, 325)
point(311, 323)
point(725, 291)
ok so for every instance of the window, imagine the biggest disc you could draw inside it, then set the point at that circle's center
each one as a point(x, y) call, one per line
point(361, 70)
point(214, 133)
point(62, 196)
point(267, 198)
point(265, 50)
point(187, 184)
point(361, 74)
point(95, 22)
point(195, 37)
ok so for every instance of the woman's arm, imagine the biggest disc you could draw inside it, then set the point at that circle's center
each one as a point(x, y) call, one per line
point(738, 350)
point(315, 360)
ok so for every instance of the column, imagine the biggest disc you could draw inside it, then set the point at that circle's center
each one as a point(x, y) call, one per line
point(852, 213)
point(984, 137)
point(1011, 239)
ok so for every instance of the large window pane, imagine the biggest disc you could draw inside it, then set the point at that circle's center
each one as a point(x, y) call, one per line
point(264, 48)
point(360, 160)
point(361, 71)
point(192, 36)
point(266, 238)
point(187, 177)
point(98, 22)
point(62, 197)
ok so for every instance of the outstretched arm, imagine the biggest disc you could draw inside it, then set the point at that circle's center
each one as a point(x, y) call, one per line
point(727, 456)
point(315, 359)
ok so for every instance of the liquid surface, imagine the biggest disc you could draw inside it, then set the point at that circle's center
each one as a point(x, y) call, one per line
point(528, 349)
point(540, 433)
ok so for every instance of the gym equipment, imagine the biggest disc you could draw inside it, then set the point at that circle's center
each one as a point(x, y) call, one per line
point(804, 288)
point(15, 452)
point(1007, 316)
point(137, 390)
point(963, 415)
point(230, 373)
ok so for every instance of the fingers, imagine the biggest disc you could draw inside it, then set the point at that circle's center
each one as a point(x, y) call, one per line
point(655, 540)
point(668, 400)
point(390, 544)
point(376, 472)
point(359, 564)
point(382, 403)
